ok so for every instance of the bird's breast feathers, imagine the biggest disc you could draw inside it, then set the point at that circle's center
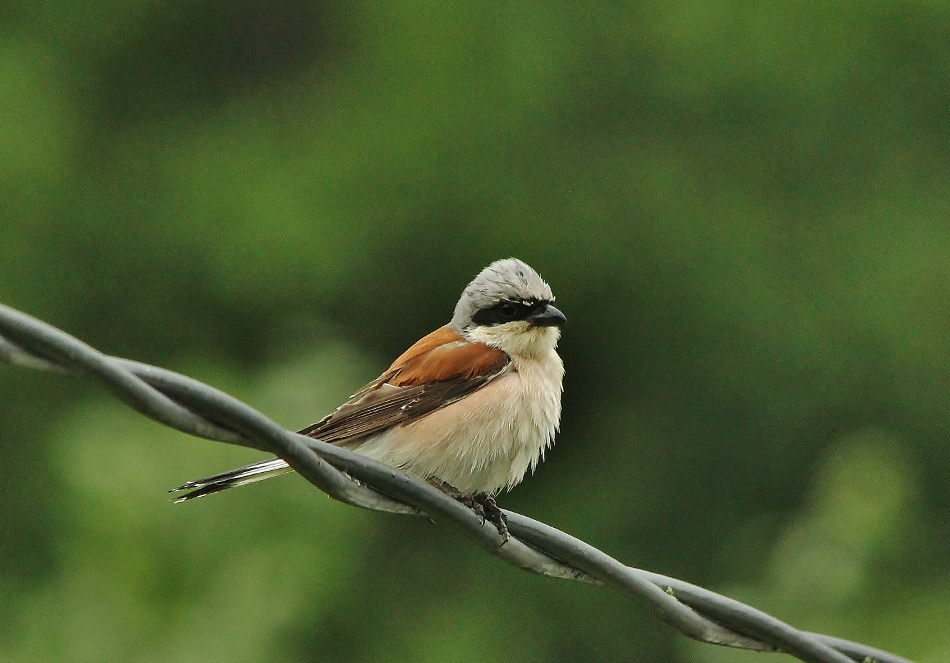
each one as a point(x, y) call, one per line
point(487, 440)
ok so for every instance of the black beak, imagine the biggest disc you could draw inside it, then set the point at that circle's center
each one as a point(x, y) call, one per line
point(547, 317)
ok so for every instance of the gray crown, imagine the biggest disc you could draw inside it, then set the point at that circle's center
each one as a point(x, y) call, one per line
point(503, 279)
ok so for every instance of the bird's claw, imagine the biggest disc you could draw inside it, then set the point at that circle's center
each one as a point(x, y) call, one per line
point(482, 504)
point(494, 515)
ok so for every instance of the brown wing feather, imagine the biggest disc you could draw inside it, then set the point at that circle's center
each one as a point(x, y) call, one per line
point(439, 369)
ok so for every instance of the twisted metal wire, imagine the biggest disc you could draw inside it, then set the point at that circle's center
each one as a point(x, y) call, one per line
point(197, 409)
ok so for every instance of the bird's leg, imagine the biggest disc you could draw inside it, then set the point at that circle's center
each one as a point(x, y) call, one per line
point(482, 504)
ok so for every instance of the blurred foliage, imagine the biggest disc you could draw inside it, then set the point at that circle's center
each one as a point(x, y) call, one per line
point(743, 208)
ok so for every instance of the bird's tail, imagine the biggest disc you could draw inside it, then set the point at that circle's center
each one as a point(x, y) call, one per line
point(244, 475)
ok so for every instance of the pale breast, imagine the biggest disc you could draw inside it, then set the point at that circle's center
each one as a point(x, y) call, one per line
point(488, 440)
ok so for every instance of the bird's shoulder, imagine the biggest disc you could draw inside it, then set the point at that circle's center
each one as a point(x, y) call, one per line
point(445, 355)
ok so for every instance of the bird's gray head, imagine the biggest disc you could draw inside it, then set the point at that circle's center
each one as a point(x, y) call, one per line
point(508, 306)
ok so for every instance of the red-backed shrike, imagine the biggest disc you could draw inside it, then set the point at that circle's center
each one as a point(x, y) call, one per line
point(470, 406)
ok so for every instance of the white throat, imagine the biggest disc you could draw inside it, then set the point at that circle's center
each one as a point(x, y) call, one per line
point(518, 339)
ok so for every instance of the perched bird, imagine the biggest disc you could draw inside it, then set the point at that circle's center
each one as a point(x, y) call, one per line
point(470, 407)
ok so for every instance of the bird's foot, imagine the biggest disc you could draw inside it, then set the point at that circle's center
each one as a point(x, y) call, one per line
point(482, 504)
point(493, 514)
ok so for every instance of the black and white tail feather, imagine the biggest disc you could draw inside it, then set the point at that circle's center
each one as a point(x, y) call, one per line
point(239, 477)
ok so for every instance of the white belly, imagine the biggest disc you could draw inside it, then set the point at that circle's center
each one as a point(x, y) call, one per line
point(488, 440)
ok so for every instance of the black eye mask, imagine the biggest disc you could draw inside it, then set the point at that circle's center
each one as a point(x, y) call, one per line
point(507, 311)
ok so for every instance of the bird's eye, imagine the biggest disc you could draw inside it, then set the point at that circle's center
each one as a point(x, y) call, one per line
point(509, 309)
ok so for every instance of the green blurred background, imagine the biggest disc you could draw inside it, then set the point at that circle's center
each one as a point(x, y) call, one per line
point(743, 208)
